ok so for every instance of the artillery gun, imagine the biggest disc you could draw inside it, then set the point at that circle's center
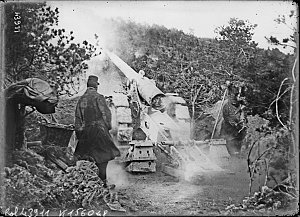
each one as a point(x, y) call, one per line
point(146, 117)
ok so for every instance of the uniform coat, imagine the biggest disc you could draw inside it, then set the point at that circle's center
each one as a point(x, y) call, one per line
point(232, 125)
point(92, 125)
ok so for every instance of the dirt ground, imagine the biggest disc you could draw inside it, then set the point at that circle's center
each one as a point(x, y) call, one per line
point(161, 194)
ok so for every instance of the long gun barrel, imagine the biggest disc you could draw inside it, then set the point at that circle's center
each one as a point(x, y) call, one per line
point(147, 89)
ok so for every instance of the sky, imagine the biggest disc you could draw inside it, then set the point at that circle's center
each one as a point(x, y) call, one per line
point(200, 18)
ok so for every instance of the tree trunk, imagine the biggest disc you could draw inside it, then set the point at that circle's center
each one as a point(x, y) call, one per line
point(20, 132)
point(192, 136)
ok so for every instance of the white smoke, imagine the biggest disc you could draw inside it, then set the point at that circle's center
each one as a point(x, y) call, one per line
point(116, 174)
point(196, 163)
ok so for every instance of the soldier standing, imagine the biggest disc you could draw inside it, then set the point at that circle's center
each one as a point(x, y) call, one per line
point(233, 127)
point(92, 125)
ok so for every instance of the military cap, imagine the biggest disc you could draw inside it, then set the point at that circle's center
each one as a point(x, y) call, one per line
point(92, 81)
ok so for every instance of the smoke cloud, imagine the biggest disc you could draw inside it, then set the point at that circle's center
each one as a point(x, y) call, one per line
point(116, 174)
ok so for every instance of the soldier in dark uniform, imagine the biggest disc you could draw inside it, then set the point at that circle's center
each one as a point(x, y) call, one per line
point(233, 128)
point(92, 125)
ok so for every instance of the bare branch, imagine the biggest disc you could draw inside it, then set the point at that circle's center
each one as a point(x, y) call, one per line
point(286, 90)
point(184, 80)
point(290, 195)
point(249, 153)
point(242, 52)
point(199, 116)
point(260, 156)
point(293, 70)
point(197, 93)
point(277, 98)
point(267, 172)
point(292, 91)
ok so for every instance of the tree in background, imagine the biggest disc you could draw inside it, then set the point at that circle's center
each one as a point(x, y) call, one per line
point(198, 68)
point(35, 47)
point(179, 64)
point(236, 48)
point(290, 22)
point(240, 60)
point(289, 81)
point(266, 73)
point(287, 93)
point(234, 54)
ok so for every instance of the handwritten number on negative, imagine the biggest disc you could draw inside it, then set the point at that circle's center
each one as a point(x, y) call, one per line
point(17, 22)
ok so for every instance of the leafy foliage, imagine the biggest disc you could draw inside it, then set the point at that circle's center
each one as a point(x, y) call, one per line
point(40, 49)
point(28, 182)
point(22, 184)
point(80, 184)
point(197, 69)
point(289, 40)
point(236, 48)
point(267, 72)
point(271, 152)
point(31, 184)
point(265, 200)
point(269, 155)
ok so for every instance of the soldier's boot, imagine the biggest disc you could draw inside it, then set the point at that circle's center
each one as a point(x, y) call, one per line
point(107, 186)
point(233, 147)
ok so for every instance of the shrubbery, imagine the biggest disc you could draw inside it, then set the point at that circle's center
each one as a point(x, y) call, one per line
point(31, 183)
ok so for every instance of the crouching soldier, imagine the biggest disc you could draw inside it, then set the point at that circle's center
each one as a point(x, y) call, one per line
point(233, 128)
point(92, 125)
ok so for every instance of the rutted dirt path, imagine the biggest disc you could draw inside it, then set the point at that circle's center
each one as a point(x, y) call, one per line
point(161, 194)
